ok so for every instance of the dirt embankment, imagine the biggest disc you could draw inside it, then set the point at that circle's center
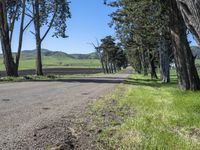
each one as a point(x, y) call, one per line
point(58, 71)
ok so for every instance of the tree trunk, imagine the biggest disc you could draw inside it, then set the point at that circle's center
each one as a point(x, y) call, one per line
point(110, 67)
point(152, 67)
point(8, 58)
point(114, 67)
point(106, 67)
point(190, 10)
point(39, 70)
point(185, 63)
point(21, 35)
point(5, 42)
point(102, 65)
point(144, 63)
point(138, 61)
point(153, 70)
point(164, 59)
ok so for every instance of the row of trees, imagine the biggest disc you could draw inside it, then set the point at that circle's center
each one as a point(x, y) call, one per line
point(42, 14)
point(154, 32)
point(111, 54)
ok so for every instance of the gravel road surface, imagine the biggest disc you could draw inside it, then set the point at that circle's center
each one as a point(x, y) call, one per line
point(36, 115)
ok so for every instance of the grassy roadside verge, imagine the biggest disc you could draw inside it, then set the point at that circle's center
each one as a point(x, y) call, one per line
point(45, 78)
point(52, 77)
point(147, 115)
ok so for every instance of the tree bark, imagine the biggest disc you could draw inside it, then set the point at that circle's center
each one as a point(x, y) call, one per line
point(153, 70)
point(114, 67)
point(164, 59)
point(137, 65)
point(111, 67)
point(106, 67)
point(102, 65)
point(152, 67)
point(185, 63)
point(39, 70)
point(190, 10)
point(144, 63)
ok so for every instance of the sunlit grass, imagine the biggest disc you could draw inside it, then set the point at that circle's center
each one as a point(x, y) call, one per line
point(56, 62)
point(164, 118)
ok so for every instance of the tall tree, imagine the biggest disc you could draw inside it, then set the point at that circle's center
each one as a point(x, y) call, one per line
point(146, 23)
point(185, 62)
point(113, 57)
point(10, 13)
point(164, 56)
point(99, 52)
point(48, 14)
point(136, 24)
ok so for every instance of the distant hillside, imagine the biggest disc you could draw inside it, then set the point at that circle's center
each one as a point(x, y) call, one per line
point(196, 51)
point(45, 52)
point(85, 56)
point(55, 59)
point(27, 54)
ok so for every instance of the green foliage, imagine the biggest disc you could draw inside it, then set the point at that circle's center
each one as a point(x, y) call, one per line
point(112, 55)
point(14, 9)
point(139, 26)
point(52, 14)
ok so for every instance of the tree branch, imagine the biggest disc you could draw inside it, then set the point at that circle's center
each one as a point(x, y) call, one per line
point(50, 25)
point(27, 25)
point(13, 23)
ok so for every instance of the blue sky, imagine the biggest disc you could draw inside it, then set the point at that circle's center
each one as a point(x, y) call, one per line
point(193, 42)
point(89, 21)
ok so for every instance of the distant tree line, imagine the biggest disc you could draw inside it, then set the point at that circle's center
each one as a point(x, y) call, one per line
point(154, 33)
point(112, 56)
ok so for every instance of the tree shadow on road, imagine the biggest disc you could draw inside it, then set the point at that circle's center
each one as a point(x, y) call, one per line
point(85, 80)
point(114, 80)
point(149, 82)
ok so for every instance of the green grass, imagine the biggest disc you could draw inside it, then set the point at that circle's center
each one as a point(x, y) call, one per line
point(157, 117)
point(56, 62)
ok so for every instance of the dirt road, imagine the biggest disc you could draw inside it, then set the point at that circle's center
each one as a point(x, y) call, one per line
point(36, 115)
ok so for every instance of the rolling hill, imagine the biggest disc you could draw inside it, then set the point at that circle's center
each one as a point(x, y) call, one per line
point(56, 59)
point(46, 52)
point(85, 56)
